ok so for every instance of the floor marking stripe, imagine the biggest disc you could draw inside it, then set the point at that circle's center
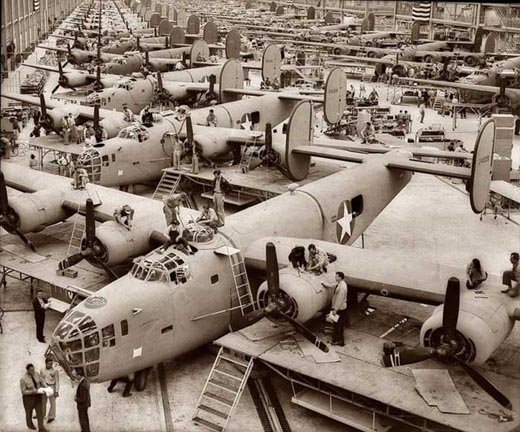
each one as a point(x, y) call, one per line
point(165, 398)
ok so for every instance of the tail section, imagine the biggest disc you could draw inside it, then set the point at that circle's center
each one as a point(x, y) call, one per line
point(482, 167)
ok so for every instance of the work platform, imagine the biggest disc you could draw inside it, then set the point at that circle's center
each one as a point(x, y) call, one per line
point(53, 144)
point(356, 390)
point(20, 263)
point(260, 183)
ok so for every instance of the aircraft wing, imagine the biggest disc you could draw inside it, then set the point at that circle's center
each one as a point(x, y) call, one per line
point(507, 190)
point(82, 110)
point(457, 85)
point(431, 168)
point(281, 95)
point(50, 68)
point(61, 50)
point(418, 281)
point(370, 60)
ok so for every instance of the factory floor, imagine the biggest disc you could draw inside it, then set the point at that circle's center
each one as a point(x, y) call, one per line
point(430, 220)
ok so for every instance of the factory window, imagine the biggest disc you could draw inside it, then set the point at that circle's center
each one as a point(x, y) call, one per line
point(167, 329)
point(214, 279)
point(357, 205)
point(124, 327)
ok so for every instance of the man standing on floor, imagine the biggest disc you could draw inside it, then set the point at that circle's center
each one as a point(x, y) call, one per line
point(32, 391)
point(339, 306)
point(50, 378)
point(82, 399)
point(220, 187)
point(40, 306)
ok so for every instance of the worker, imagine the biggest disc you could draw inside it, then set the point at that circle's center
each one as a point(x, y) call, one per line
point(71, 121)
point(339, 307)
point(318, 260)
point(129, 115)
point(361, 89)
point(80, 178)
point(297, 258)
point(373, 96)
point(124, 216)
point(208, 217)
point(211, 120)
point(368, 134)
point(176, 239)
point(179, 66)
point(147, 116)
point(33, 163)
point(172, 208)
point(220, 187)
point(475, 273)
point(65, 129)
point(177, 150)
point(89, 135)
point(422, 112)
point(460, 149)
point(511, 278)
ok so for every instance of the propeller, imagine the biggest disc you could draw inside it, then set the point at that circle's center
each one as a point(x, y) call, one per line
point(70, 56)
point(162, 95)
point(45, 119)
point(9, 219)
point(449, 349)
point(210, 93)
point(91, 248)
point(277, 306)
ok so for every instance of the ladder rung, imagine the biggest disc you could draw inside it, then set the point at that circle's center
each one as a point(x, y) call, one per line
point(218, 398)
point(213, 411)
point(208, 424)
point(241, 285)
point(240, 274)
point(245, 295)
point(229, 375)
point(232, 360)
point(223, 386)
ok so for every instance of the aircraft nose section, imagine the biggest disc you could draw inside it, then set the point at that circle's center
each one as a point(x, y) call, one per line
point(76, 344)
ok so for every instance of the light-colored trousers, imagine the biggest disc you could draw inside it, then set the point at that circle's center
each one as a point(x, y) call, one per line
point(218, 203)
point(52, 401)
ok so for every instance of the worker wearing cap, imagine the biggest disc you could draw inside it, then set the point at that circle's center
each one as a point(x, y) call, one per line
point(124, 216)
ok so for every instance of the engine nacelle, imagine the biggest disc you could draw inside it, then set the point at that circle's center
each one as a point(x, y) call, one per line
point(471, 60)
point(503, 101)
point(430, 58)
point(113, 124)
point(214, 143)
point(303, 294)
point(120, 244)
point(178, 92)
point(481, 328)
point(35, 211)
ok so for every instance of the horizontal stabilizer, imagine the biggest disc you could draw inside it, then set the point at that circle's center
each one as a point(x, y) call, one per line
point(330, 153)
point(507, 190)
point(431, 168)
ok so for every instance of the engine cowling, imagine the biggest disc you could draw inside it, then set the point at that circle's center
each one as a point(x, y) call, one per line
point(430, 58)
point(471, 60)
point(303, 295)
point(115, 244)
point(481, 328)
point(35, 211)
point(214, 143)
point(502, 101)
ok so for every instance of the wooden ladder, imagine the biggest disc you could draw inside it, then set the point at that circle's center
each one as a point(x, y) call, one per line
point(78, 230)
point(247, 156)
point(242, 287)
point(222, 391)
point(167, 185)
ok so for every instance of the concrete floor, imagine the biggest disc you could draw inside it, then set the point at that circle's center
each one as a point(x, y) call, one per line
point(430, 220)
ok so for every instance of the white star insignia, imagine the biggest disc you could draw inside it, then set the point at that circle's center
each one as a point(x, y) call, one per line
point(345, 221)
point(247, 125)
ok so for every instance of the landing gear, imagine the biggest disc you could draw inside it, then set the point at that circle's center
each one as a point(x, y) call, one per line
point(141, 379)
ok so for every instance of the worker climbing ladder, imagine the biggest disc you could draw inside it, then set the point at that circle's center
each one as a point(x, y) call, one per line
point(242, 287)
point(222, 391)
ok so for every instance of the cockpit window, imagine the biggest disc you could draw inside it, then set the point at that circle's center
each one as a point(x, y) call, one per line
point(135, 132)
point(168, 268)
point(109, 336)
point(125, 84)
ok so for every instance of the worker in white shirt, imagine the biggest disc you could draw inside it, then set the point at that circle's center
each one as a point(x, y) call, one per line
point(208, 217)
point(339, 307)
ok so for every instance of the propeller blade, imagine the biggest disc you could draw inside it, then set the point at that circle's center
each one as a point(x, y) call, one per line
point(273, 276)
point(306, 333)
point(167, 42)
point(450, 314)
point(98, 84)
point(394, 356)
point(43, 106)
point(71, 260)
point(138, 42)
point(159, 81)
point(4, 201)
point(111, 273)
point(268, 138)
point(212, 82)
point(55, 88)
point(147, 59)
point(90, 223)
point(189, 129)
point(96, 116)
point(485, 384)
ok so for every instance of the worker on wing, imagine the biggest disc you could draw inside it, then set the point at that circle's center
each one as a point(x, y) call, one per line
point(220, 187)
point(208, 217)
point(368, 134)
point(318, 260)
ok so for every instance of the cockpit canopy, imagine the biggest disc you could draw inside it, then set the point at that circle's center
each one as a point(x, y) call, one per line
point(169, 267)
point(126, 84)
point(135, 131)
